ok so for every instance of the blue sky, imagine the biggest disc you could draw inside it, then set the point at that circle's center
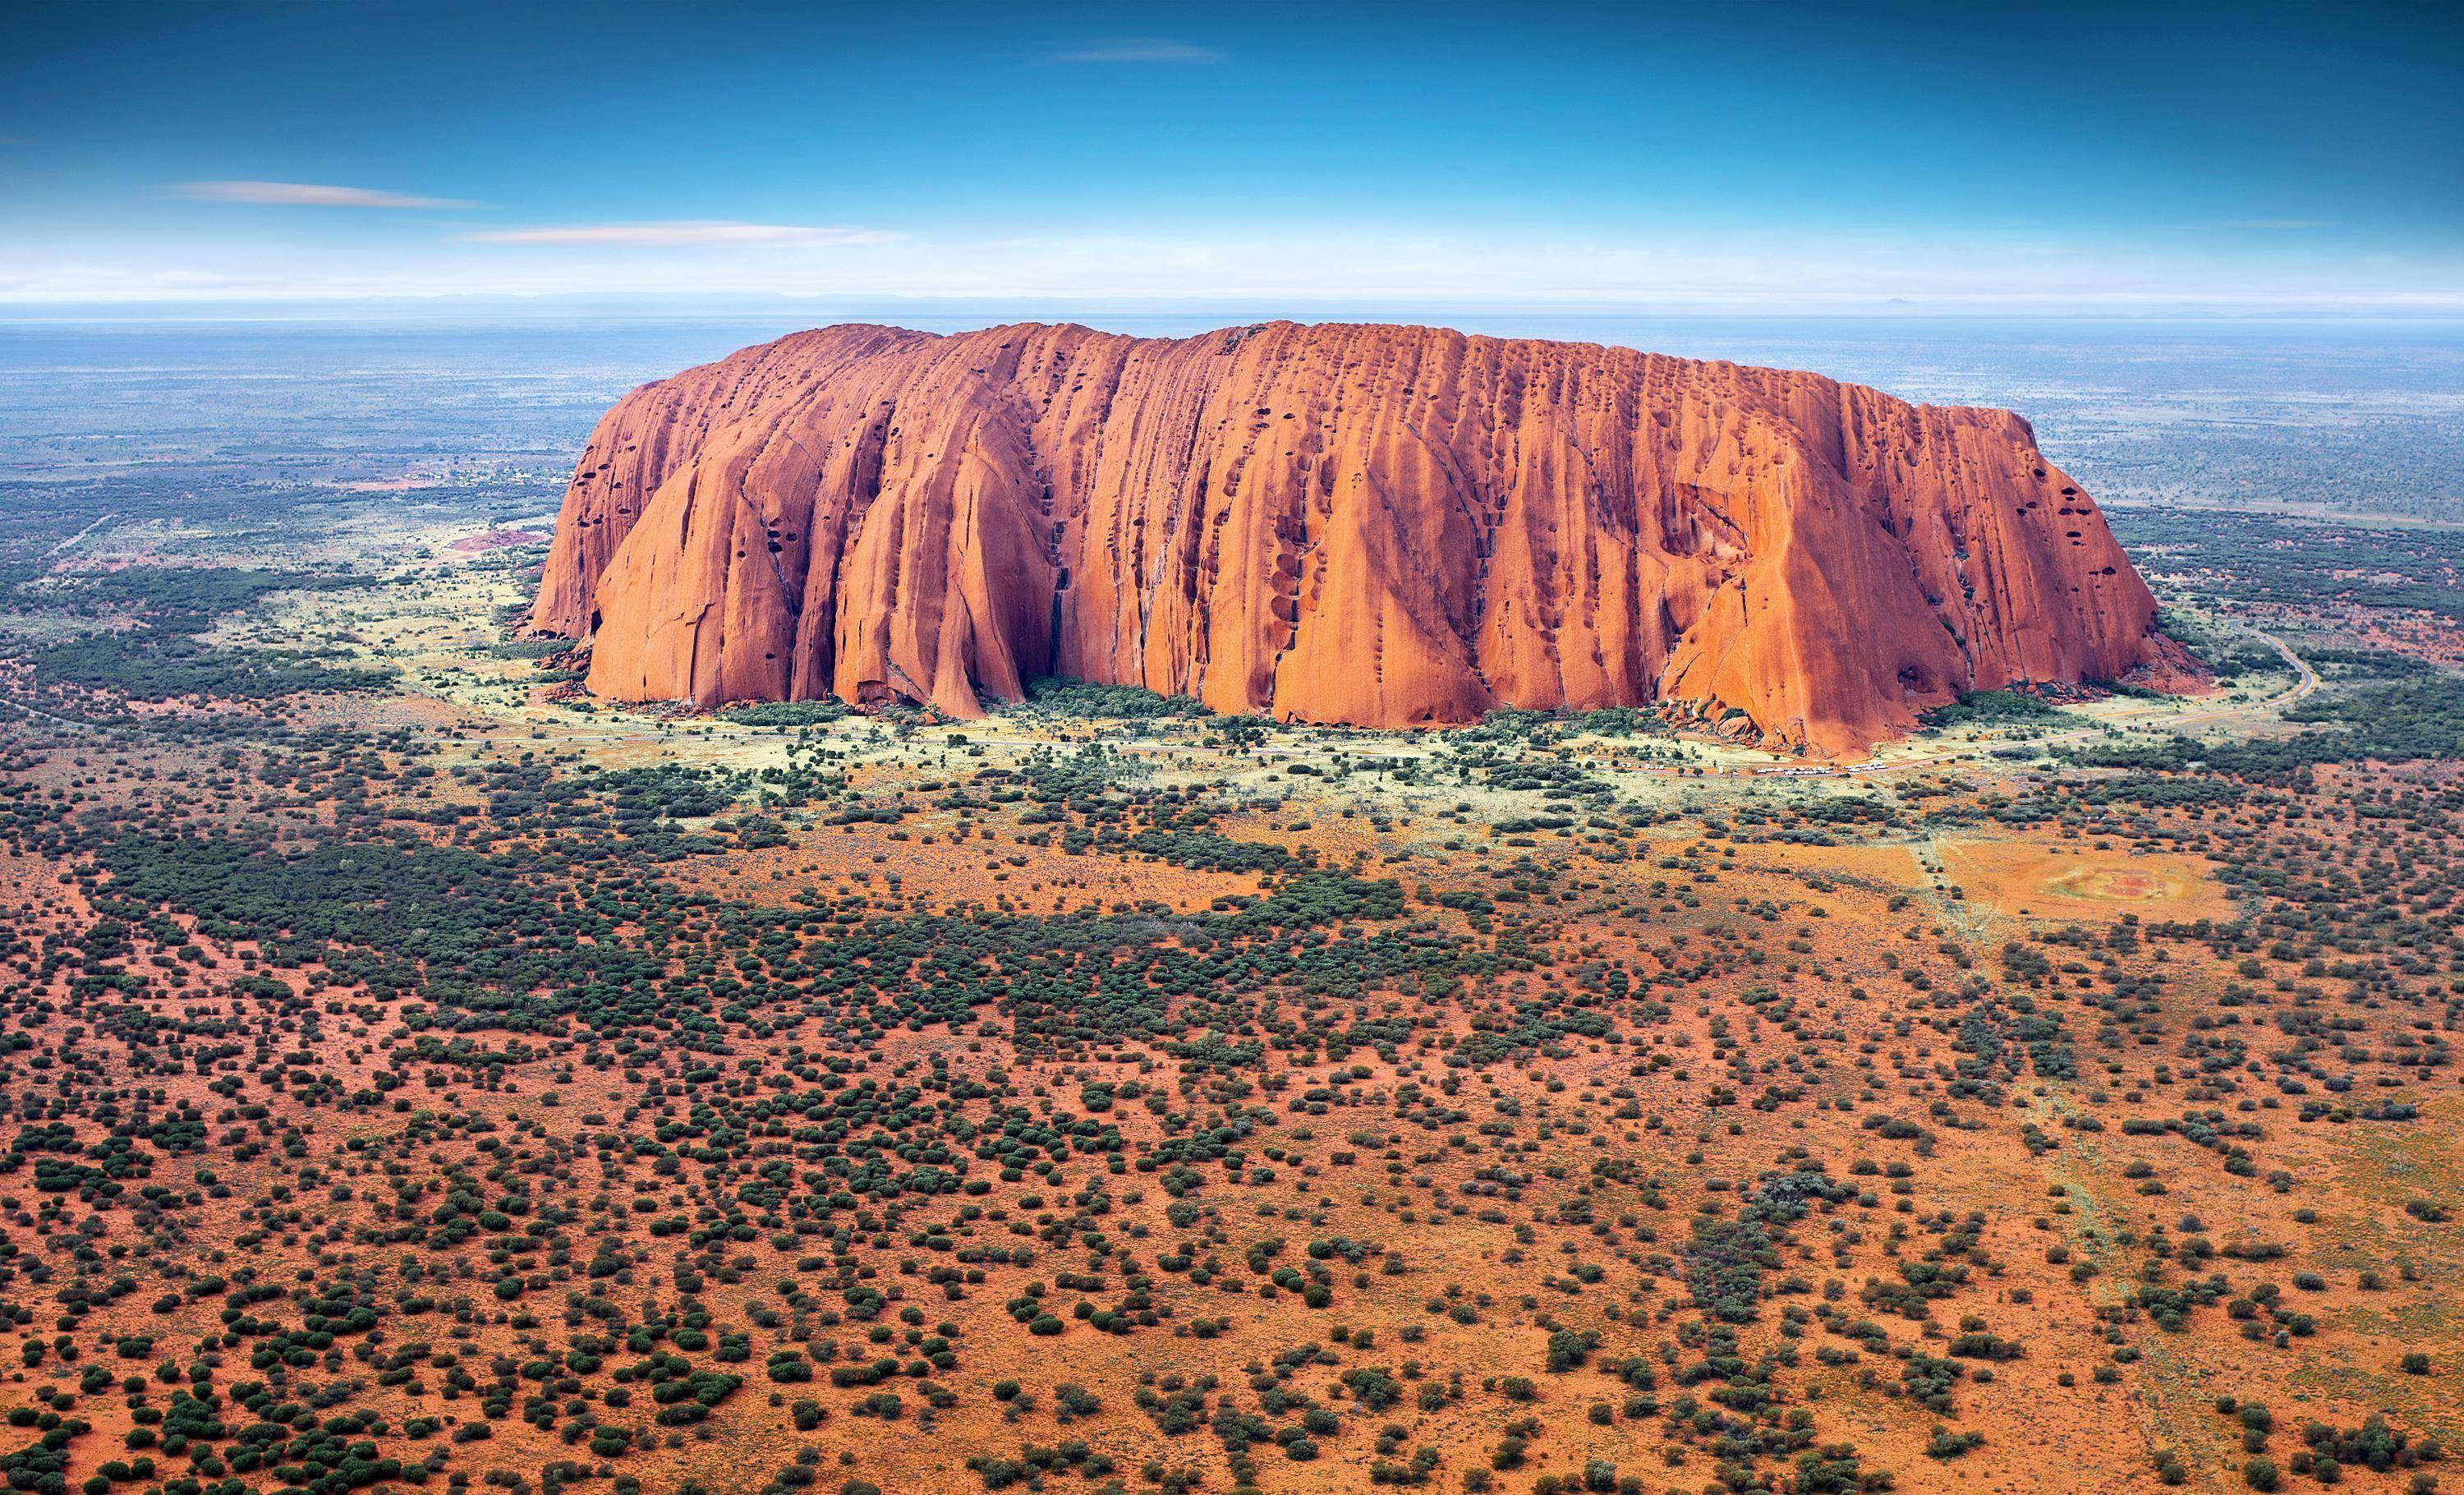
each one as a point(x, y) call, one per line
point(1737, 154)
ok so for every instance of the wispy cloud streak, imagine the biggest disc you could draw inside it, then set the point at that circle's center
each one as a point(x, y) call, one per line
point(687, 231)
point(1136, 50)
point(306, 194)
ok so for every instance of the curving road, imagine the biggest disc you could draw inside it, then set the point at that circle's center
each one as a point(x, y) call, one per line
point(2306, 682)
point(40, 715)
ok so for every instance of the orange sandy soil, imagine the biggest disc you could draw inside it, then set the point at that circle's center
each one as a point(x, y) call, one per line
point(1484, 1187)
point(2030, 879)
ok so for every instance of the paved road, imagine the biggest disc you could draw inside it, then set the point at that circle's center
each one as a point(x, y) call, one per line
point(81, 534)
point(42, 715)
point(2305, 681)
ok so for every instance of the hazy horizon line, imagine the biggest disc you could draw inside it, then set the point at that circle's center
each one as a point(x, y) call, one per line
point(652, 304)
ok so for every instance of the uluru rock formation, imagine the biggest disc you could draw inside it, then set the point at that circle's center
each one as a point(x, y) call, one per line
point(1368, 524)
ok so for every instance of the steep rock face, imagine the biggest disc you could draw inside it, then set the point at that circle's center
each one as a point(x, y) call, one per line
point(1368, 524)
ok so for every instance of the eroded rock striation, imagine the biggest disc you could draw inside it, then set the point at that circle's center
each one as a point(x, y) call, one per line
point(1369, 524)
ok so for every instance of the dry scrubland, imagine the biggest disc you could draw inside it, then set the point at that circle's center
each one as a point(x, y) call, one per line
point(417, 1077)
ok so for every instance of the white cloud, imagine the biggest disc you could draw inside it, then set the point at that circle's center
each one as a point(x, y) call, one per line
point(1345, 266)
point(1138, 50)
point(306, 194)
point(682, 232)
